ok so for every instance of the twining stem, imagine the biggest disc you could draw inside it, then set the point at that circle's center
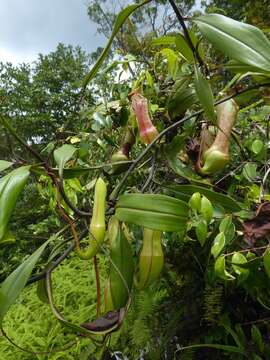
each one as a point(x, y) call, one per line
point(97, 286)
point(186, 34)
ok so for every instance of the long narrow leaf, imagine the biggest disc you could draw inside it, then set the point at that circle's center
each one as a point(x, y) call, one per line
point(11, 186)
point(5, 165)
point(205, 95)
point(121, 18)
point(240, 41)
point(15, 282)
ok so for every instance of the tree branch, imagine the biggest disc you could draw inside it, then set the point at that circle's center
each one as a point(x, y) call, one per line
point(186, 34)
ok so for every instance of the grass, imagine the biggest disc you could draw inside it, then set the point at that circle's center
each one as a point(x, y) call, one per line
point(31, 325)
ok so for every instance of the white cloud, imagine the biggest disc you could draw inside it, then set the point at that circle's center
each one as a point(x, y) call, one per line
point(7, 55)
point(31, 27)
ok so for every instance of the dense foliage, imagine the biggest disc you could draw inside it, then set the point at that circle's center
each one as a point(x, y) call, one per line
point(134, 197)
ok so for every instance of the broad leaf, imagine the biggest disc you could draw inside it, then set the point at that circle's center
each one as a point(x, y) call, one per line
point(184, 192)
point(250, 171)
point(153, 211)
point(257, 146)
point(238, 259)
point(16, 281)
point(240, 41)
point(205, 95)
point(172, 61)
point(11, 186)
point(266, 261)
point(62, 155)
point(5, 165)
point(181, 98)
point(218, 245)
point(220, 270)
point(121, 18)
point(227, 226)
point(201, 231)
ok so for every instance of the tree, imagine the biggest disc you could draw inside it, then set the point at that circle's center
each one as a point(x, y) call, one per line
point(42, 97)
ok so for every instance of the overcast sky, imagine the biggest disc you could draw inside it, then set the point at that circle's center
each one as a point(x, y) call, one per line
point(30, 27)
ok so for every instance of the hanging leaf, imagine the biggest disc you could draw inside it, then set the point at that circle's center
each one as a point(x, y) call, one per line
point(227, 226)
point(16, 281)
point(42, 291)
point(201, 231)
point(62, 155)
point(250, 171)
point(120, 19)
point(266, 261)
point(257, 146)
point(181, 98)
point(172, 61)
point(205, 95)
point(240, 41)
point(239, 259)
point(257, 338)
point(183, 48)
point(206, 209)
point(5, 165)
point(8, 238)
point(220, 270)
point(218, 245)
point(11, 186)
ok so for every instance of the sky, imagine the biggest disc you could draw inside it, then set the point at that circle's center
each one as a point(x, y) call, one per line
point(30, 27)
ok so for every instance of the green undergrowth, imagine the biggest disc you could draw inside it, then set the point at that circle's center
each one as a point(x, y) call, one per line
point(31, 324)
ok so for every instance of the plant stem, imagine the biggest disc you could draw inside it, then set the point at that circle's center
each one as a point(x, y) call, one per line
point(186, 34)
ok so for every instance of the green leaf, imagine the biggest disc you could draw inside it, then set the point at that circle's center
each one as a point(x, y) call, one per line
point(164, 40)
point(237, 259)
point(11, 186)
point(181, 98)
point(206, 209)
point(240, 41)
point(153, 211)
point(122, 266)
point(179, 42)
point(5, 165)
point(218, 244)
point(172, 61)
point(42, 291)
point(227, 226)
point(266, 261)
point(220, 270)
point(16, 281)
point(205, 95)
point(8, 238)
point(120, 19)
point(237, 67)
point(183, 48)
point(257, 146)
point(228, 348)
point(62, 155)
point(250, 171)
point(257, 338)
point(184, 192)
point(171, 152)
point(201, 231)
